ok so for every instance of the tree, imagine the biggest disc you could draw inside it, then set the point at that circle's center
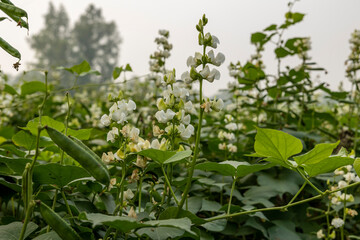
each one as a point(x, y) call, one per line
point(96, 41)
point(52, 44)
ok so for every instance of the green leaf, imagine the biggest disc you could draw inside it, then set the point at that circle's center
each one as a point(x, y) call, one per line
point(178, 156)
point(57, 174)
point(128, 68)
point(81, 134)
point(181, 223)
point(327, 165)
point(215, 226)
point(317, 154)
point(9, 89)
point(117, 71)
point(124, 224)
point(161, 233)
point(164, 157)
point(17, 165)
point(32, 87)
point(357, 166)
point(170, 213)
point(281, 52)
point(276, 144)
point(13, 186)
point(28, 141)
point(245, 169)
point(12, 231)
point(81, 69)
point(297, 17)
point(33, 124)
point(9, 49)
point(48, 236)
point(257, 37)
point(271, 27)
point(224, 168)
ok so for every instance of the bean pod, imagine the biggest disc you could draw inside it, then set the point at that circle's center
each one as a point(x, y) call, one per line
point(87, 160)
point(9, 49)
point(62, 228)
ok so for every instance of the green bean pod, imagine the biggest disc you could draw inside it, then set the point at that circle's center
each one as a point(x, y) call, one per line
point(86, 148)
point(26, 184)
point(62, 228)
point(9, 49)
point(90, 163)
point(13, 10)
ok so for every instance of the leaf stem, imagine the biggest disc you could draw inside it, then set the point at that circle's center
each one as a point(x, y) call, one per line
point(231, 194)
point(168, 183)
point(308, 181)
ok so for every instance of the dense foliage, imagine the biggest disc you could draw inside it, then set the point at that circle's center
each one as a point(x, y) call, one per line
point(272, 157)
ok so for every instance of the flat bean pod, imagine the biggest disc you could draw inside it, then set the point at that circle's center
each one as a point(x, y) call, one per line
point(9, 49)
point(89, 162)
point(13, 10)
point(62, 228)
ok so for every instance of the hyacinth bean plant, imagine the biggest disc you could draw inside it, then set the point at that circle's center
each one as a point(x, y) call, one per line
point(152, 157)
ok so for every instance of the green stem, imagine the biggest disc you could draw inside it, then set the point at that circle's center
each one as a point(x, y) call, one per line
point(52, 207)
point(26, 221)
point(140, 188)
point(344, 216)
point(168, 183)
point(327, 192)
point(196, 151)
point(308, 181)
point(231, 194)
point(297, 194)
point(67, 206)
point(123, 170)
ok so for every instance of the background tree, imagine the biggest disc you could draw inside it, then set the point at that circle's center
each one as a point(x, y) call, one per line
point(96, 41)
point(52, 44)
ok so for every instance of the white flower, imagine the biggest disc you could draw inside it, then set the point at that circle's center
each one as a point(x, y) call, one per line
point(191, 62)
point(188, 106)
point(320, 234)
point(105, 120)
point(113, 108)
point(132, 213)
point(337, 222)
point(231, 126)
point(349, 176)
point(128, 194)
point(218, 60)
point(232, 148)
point(186, 77)
point(155, 144)
point(119, 116)
point(134, 134)
point(164, 117)
point(108, 158)
point(185, 119)
point(214, 74)
point(206, 106)
point(185, 133)
point(112, 135)
point(205, 72)
point(342, 184)
point(180, 92)
point(217, 105)
point(339, 172)
point(130, 106)
point(222, 146)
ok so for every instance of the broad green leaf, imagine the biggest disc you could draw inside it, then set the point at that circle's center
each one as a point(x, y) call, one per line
point(2, 140)
point(81, 69)
point(124, 224)
point(257, 37)
point(128, 68)
point(81, 134)
point(215, 226)
point(5, 170)
point(13, 186)
point(48, 236)
point(9, 49)
point(327, 165)
point(28, 141)
point(223, 168)
point(33, 124)
point(57, 174)
point(282, 233)
point(178, 156)
point(281, 52)
point(210, 206)
point(180, 223)
point(117, 71)
point(245, 169)
point(12, 231)
point(9, 89)
point(317, 154)
point(158, 156)
point(17, 165)
point(271, 27)
point(357, 166)
point(170, 213)
point(161, 233)
point(276, 144)
point(32, 87)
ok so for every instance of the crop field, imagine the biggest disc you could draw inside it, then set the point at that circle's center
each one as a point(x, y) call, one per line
point(271, 156)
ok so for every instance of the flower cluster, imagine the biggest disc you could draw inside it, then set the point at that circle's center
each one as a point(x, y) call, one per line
point(353, 61)
point(227, 135)
point(303, 45)
point(158, 58)
point(348, 177)
point(118, 112)
point(173, 111)
point(206, 40)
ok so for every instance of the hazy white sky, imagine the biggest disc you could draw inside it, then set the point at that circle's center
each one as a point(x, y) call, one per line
point(329, 23)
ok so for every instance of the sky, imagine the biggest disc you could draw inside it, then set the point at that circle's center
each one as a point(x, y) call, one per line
point(328, 23)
